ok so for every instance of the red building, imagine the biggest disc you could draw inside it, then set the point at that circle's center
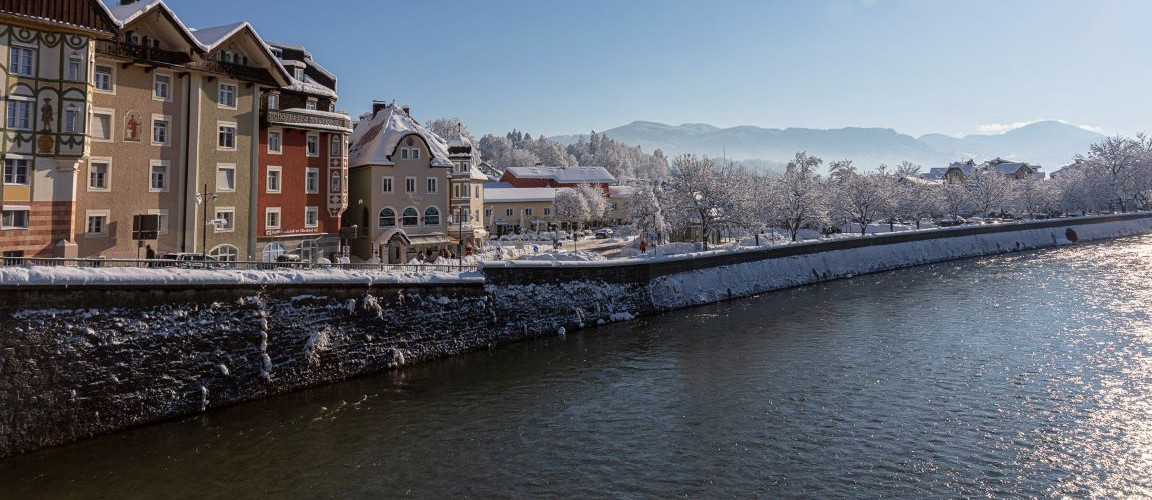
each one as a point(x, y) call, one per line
point(557, 177)
point(303, 162)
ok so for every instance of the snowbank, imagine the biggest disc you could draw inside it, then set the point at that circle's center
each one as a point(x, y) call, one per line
point(131, 276)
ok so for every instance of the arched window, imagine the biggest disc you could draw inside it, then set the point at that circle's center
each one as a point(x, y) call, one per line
point(226, 253)
point(387, 218)
point(334, 185)
point(410, 218)
point(431, 216)
point(271, 251)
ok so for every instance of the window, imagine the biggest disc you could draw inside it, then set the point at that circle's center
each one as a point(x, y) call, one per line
point(226, 178)
point(507, 212)
point(273, 101)
point(16, 171)
point(227, 138)
point(158, 176)
point(14, 218)
point(313, 145)
point(432, 185)
point(227, 95)
point(312, 180)
point(72, 119)
point(337, 148)
point(403, 153)
point(274, 145)
point(225, 253)
point(20, 114)
point(309, 250)
point(163, 227)
point(415, 153)
point(101, 126)
point(272, 251)
point(162, 87)
point(298, 73)
point(310, 103)
point(477, 192)
point(431, 216)
point(272, 218)
point(410, 217)
point(160, 130)
point(97, 226)
point(409, 184)
point(74, 65)
point(98, 174)
point(103, 79)
point(387, 218)
point(334, 183)
point(547, 211)
point(226, 220)
point(528, 212)
point(311, 216)
point(20, 60)
point(273, 182)
point(386, 185)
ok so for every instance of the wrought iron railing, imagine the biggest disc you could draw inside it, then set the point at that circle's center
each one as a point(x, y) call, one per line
point(286, 117)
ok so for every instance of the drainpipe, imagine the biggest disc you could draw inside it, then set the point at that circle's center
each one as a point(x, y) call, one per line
point(254, 173)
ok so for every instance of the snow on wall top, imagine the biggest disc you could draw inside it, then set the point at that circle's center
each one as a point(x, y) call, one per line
point(375, 139)
point(566, 175)
point(132, 276)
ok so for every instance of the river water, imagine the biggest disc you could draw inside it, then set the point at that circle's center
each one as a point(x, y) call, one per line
point(1026, 375)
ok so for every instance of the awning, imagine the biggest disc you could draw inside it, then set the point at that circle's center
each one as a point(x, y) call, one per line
point(429, 240)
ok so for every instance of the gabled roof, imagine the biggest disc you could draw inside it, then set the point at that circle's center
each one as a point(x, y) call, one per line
point(126, 14)
point(213, 37)
point(376, 137)
point(565, 175)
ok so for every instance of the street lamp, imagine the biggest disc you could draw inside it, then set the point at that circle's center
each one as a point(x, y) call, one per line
point(203, 198)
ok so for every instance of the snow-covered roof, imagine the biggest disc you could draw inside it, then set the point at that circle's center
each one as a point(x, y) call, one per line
point(309, 86)
point(621, 191)
point(211, 38)
point(323, 114)
point(376, 137)
point(476, 175)
point(1011, 168)
point(565, 175)
point(507, 195)
point(125, 14)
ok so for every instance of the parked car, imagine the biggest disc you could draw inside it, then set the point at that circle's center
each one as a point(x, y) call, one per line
point(191, 260)
point(604, 234)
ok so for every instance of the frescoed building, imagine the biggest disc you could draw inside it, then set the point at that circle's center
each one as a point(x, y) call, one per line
point(47, 52)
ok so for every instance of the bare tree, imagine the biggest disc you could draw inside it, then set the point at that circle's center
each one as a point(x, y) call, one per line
point(862, 198)
point(990, 191)
point(568, 206)
point(700, 193)
point(1119, 160)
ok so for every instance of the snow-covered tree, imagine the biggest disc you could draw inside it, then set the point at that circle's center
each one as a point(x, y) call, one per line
point(990, 190)
point(1118, 160)
point(645, 213)
point(595, 200)
point(954, 200)
point(698, 192)
point(569, 207)
point(861, 198)
point(1032, 195)
point(803, 200)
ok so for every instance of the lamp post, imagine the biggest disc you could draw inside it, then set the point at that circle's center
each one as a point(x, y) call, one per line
point(462, 215)
point(203, 198)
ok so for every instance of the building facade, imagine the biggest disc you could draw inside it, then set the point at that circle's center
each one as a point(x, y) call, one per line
point(399, 174)
point(47, 49)
point(303, 162)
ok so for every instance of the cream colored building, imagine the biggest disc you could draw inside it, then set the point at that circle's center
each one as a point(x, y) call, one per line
point(467, 196)
point(399, 180)
point(511, 210)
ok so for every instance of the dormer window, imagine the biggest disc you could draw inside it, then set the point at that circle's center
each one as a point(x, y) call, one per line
point(226, 56)
point(298, 74)
point(311, 104)
point(278, 53)
point(132, 37)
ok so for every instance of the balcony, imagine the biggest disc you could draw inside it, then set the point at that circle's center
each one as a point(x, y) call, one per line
point(142, 53)
point(308, 119)
point(237, 71)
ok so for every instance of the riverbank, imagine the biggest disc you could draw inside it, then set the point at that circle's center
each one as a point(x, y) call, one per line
point(83, 356)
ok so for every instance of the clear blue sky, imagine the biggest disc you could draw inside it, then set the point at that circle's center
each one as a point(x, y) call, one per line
point(918, 66)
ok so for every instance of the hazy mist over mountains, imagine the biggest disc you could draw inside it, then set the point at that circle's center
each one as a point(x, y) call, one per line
point(1050, 144)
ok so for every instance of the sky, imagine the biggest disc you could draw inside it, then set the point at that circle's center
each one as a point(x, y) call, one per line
point(916, 66)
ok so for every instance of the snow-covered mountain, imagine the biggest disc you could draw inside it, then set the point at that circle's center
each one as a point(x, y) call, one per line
point(1048, 143)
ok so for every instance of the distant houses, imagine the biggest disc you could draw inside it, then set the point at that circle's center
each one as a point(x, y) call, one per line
point(960, 171)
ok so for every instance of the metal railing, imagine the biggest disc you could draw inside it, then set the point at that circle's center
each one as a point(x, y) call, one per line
point(230, 265)
point(142, 52)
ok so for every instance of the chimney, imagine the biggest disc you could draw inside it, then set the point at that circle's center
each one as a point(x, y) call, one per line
point(376, 105)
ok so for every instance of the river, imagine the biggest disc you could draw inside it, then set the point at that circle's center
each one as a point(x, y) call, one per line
point(1025, 375)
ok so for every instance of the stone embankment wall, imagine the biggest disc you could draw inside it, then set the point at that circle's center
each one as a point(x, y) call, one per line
point(85, 359)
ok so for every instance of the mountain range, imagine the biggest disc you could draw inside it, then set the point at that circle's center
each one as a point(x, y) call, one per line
point(1050, 144)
